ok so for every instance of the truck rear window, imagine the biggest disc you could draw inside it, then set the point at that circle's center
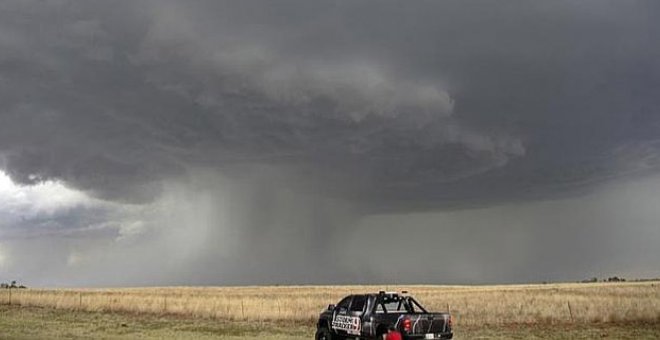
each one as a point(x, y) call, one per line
point(392, 305)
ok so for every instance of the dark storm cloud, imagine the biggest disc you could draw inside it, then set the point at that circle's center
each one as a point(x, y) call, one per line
point(312, 114)
point(454, 103)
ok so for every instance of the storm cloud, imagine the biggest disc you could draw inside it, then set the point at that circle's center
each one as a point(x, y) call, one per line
point(260, 142)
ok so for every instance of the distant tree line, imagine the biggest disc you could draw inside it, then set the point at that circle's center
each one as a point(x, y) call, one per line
point(11, 285)
point(609, 279)
point(617, 279)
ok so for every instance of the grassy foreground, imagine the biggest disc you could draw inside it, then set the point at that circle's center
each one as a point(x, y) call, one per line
point(48, 323)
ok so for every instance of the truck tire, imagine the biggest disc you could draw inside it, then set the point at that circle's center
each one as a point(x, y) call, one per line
point(323, 334)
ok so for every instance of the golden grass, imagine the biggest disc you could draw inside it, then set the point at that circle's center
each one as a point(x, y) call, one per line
point(470, 305)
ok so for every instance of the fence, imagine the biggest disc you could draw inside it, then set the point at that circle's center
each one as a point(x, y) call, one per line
point(559, 303)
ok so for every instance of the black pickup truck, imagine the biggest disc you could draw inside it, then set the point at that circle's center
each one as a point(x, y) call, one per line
point(368, 316)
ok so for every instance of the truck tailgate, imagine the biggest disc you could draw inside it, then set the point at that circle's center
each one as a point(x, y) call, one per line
point(429, 323)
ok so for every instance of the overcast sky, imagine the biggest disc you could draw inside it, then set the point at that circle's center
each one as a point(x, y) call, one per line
point(262, 142)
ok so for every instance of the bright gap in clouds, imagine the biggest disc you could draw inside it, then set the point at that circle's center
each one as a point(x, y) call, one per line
point(46, 197)
point(53, 235)
point(19, 205)
point(49, 227)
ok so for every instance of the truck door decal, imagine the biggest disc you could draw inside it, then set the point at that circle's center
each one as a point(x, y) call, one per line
point(350, 324)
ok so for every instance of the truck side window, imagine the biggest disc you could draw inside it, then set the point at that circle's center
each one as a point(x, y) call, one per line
point(358, 303)
point(343, 304)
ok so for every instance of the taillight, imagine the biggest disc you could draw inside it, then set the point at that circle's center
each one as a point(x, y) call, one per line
point(407, 325)
point(449, 322)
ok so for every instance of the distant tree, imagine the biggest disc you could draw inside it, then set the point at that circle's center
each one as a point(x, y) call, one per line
point(616, 279)
point(12, 285)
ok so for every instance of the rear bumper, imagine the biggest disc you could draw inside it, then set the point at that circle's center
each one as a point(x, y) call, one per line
point(439, 336)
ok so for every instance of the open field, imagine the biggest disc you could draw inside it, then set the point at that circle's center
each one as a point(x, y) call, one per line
point(470, 305)
point(48, 323)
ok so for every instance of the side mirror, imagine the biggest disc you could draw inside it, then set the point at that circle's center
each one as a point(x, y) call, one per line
point(331, 307)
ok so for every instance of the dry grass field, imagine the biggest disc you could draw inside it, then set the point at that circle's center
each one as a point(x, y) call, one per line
point(470, 305)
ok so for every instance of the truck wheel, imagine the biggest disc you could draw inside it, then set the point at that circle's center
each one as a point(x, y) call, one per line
point(323, 334)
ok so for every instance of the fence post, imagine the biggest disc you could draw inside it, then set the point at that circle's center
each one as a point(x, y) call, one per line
point(10, 296)
point(465, 314)
point(261, 310)
point(570, 310)
point(242, 310)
